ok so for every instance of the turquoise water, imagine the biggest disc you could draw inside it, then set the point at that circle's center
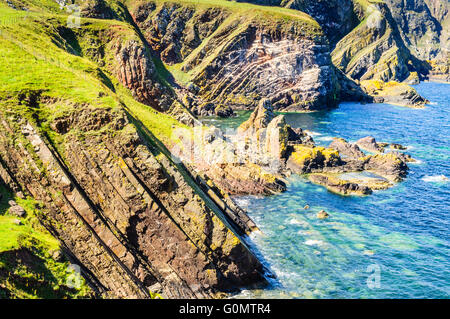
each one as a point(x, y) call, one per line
point(392, 244)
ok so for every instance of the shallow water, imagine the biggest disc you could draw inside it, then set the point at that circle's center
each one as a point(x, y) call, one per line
point(392, 244)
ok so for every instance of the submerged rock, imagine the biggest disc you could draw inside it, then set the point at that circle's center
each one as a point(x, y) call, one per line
point(322, 214)
point(397, 146)
point(338, 185)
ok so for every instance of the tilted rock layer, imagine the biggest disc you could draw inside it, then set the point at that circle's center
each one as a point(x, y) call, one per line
point(236, 58)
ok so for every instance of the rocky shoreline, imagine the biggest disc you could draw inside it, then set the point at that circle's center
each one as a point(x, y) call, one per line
point(267, 142)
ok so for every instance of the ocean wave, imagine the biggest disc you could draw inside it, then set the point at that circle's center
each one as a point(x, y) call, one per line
point(314, 242)
point(435, 178)
point(325, 138)
point(312, 133)
point(416, 162)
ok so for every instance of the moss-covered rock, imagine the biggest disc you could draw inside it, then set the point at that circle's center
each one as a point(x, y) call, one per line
point(394, 93)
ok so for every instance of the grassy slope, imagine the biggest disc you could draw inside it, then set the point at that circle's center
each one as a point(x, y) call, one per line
point(36, 62)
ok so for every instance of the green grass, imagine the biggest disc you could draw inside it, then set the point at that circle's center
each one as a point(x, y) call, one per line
point(243, 8)
point(37, 274)
point(35, 62)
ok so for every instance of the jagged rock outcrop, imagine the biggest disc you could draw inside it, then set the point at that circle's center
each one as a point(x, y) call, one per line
point(246, 163)
point(340, 186)
point(136, 70)
point(369, 143)
point(236, 59)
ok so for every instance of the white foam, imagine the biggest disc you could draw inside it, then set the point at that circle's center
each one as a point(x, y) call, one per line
point(313, 133)
point(325, 138)
point(416, 162)
point(435, 178)
point(314, 242)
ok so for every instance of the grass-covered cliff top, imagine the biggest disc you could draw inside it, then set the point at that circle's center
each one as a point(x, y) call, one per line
point(243, 8)
point(35, 57)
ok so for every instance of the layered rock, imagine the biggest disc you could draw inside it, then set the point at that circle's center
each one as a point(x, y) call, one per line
point(337, 18)
point(346, 149)
point(237, 58)
point(129, 217)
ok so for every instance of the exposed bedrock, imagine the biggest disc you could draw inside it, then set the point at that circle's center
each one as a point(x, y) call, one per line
point(336, 17)
point(423, 25)
point(132, 219)
point(235, 60)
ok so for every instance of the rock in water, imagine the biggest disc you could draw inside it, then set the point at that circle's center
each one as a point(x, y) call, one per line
point(346, 149)
point(259, 119)
point(397, 146)
point(370, 144)
point(277, 137)
point(322, 214)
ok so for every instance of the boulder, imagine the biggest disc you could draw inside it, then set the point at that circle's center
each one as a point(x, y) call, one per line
point(369, 143)
point(390, 165)
point(346, 149)
point(17, 211)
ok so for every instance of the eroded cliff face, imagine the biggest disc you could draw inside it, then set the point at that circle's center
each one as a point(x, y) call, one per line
point(336, 17)
point(374, 49)
point(235, 59)
point(419, 29)
point(373, 40)
point(126, 213)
